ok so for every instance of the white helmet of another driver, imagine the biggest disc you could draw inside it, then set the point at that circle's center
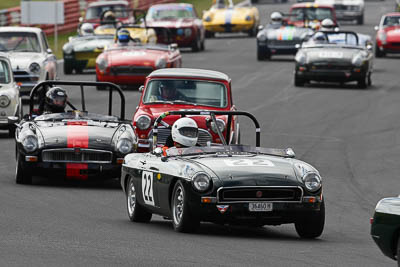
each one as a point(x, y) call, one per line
point(327, 25)
point(185, 132)
point(87, 29)
point(276, 17)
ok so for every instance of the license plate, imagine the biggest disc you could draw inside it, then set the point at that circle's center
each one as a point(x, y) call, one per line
point(260, 206)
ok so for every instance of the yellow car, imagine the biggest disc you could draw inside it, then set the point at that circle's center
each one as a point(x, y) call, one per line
point(223, 16)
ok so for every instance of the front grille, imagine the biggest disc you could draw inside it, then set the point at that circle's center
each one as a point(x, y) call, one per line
point(163, 133)
point(23, 76)
point(331, 66)
point(131, 70)
point(340, 7)
point(76, 155)
point(290, 43)
point(262, 193)
point(395, 43)
point(86, 55)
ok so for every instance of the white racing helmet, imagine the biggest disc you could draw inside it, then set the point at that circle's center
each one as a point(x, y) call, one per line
point(276, 17)
point(86, 29)
point(185, 132)
point(327, 25)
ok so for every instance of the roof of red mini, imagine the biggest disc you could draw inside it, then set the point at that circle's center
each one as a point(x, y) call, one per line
point(189, 73)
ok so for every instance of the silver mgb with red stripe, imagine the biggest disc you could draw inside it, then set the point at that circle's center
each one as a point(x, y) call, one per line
point(75, 144)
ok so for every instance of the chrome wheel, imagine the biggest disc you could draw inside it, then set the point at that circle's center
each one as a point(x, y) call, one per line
point(131, 198)
point(178, 205)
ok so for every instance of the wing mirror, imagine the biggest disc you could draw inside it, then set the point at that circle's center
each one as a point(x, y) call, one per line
point(376, 28)
point(49, 51)
point(12, 119)
point(260, 27)
point(290, 153)
point(297, 46)
point(141, 88)
point(369, 47)
point(80, 19)
point(174, 46)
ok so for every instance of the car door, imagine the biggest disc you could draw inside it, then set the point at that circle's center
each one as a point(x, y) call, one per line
point(148, 181)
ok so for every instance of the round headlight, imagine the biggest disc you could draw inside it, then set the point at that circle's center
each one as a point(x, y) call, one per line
point(188, 32)
point(102, 64)
point(312, 181)
point(220, 124)
point(68, 49)
point(261, 36)
point(124, 145)
point(34, 67)
point(357, 60)
point(201, 182)
point(301, 58)
point(30, 143)
point(207, 19)
point(4, 101)
point(143, 122)
point(248, 18)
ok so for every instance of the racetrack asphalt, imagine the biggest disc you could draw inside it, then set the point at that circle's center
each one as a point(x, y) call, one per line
point(351, 135)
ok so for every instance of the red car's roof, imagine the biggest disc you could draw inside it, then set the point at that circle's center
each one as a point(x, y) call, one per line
point(392, 14)
point(169, 5)
point(108, 3)
point(302, 5)
point(189, 73)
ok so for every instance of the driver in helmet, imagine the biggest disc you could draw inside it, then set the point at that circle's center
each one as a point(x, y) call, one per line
point(86, 29)
point(55, 101)
point(184, 133)
point(328, 25)
point(167, 91)
point(123, 37)
point(108, 18)
point(276, 21)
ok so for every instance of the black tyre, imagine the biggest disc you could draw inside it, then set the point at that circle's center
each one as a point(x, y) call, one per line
point(136, 213)
point(369, 79)
point(196, 46)
point(182, 219)
point(210, 34)
point(378, 52)
point(312, 226)
point(398, 251)
point(362, 83)
point(68, 69)
point(11, 131)
point(253, 31)
point(298, 81)
point(22, 176)
point(261, 54)
point(360, 20)
point(202, 46)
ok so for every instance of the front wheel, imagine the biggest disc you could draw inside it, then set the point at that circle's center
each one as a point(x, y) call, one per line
point(298, 81)
point(312, 226)
point(378, 52)
point(363, 82)
point(22, 176)
point(67, 68)
point(398, 251)
point(136, 213)
point(196, 46)
point(182, 220)
point(210, 34)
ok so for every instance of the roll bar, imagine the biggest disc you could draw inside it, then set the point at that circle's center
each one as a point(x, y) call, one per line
point(207, 113)
point(110, 86)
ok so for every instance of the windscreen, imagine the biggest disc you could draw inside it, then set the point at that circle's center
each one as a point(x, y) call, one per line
point(4, 72)
point(120, 11)
point(311, 13)
point(192, 92)
point(391, 21)
point(164, 13)
point(340, 38)
point(19, 42)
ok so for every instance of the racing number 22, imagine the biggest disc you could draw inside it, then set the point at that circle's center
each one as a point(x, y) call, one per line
point(147, 188)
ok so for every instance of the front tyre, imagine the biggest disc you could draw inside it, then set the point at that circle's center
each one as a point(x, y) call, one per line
point(210, 34)
point(67, 68)
point(378, 52)
point(362, 83)
point(298, 82)
point(182, 220)
point(312, 226)
point(136, 213)
point(22, 176)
